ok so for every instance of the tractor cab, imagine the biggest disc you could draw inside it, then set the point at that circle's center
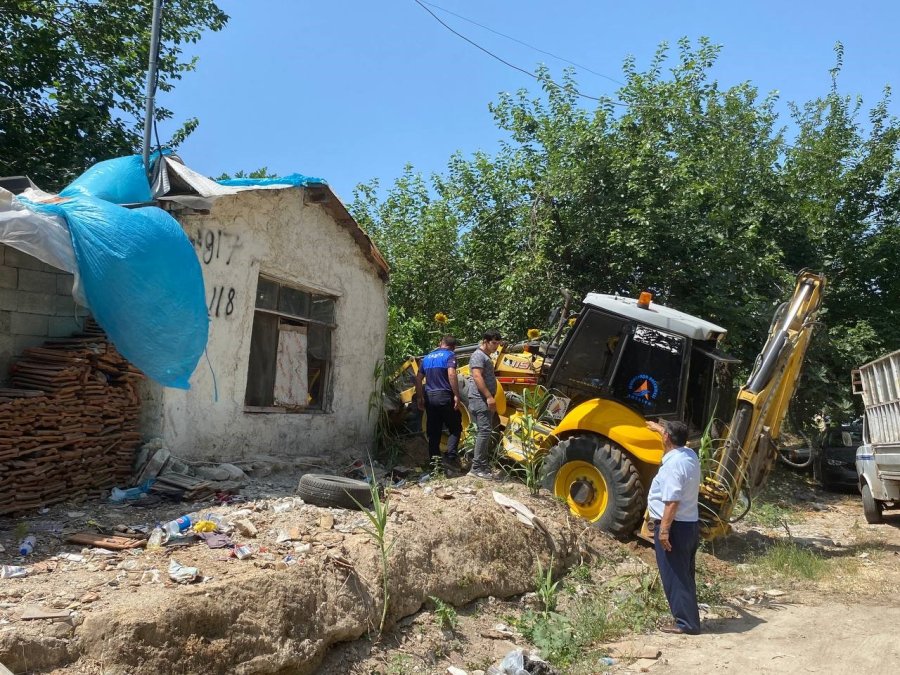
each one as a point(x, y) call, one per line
point(658, 361)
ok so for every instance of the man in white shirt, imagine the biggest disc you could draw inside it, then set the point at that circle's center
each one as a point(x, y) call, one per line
point(674, 517)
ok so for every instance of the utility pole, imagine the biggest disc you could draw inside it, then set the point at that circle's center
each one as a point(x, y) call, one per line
point(151, 83)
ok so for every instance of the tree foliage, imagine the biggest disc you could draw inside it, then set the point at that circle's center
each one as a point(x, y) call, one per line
point(72, 76)
point(689, 189)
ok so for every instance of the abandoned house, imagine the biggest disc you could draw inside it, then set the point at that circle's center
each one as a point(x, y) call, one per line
point(297, 302)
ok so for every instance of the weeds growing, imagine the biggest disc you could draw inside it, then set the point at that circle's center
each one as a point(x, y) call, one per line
point(546, 589)
point(378, 518)
point(446, 614)
point(788, 560)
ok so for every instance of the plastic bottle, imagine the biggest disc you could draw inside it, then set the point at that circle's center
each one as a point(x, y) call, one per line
point(175, 527)
point(156, 540)
point(26, 546)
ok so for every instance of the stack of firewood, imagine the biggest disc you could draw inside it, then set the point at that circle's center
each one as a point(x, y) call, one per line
point(69, 427)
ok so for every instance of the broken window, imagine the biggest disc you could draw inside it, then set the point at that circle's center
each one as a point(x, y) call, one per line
point(290, 349)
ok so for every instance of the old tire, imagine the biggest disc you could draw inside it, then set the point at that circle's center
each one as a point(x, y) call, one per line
point(326, 490)
point(871, 507)
point(598, 481)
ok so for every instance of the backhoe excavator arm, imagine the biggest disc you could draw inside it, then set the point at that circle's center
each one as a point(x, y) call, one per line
point(745, 459)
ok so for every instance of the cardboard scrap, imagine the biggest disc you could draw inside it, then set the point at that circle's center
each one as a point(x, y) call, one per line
point(101, 541)
point(523, 513)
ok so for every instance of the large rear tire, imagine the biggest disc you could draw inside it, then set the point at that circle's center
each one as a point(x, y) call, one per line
point(872, 508)
point(598, 481)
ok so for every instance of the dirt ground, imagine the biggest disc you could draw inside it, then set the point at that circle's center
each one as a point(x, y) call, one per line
point(312, 604)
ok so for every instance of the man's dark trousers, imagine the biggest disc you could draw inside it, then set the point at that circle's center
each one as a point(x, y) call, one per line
point(440, 413)
point(678, 569)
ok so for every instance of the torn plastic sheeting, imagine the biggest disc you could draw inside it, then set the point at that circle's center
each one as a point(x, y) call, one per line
point(294, 179)
point(42, 236)
point(143, 281)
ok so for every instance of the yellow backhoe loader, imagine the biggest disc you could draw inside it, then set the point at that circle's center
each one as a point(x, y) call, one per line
point(621, 361)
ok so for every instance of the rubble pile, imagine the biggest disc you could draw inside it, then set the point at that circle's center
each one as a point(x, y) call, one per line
point(69, 427)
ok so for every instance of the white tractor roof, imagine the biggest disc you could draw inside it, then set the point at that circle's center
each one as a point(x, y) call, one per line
point(657, 316)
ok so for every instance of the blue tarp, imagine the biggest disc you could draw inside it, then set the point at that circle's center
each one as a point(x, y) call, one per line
point(295, 179)
point(141, 276)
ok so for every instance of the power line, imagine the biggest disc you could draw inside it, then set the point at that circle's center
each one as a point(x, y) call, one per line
point(513, 66)
point(524, 44)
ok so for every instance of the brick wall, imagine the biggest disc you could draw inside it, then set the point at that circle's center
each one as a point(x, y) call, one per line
point(35, 304)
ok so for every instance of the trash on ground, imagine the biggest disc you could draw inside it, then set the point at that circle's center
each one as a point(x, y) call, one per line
point(13, 572)
point(523, 513)
point(242, 552)
point(517, 662)
point(181, 574)
point(217, 540)
point(131, 494)
point(71, 557)
point(202, 526)
point(26, 546)
point(109, 542)
point(289, 534)
point(326, 521)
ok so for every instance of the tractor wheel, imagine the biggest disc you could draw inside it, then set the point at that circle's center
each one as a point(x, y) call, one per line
point(598, 481)
point(871, 507)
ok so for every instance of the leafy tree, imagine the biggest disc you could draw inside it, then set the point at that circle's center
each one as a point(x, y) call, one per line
point(72, 76)
point(262, 172)
point(682, 187)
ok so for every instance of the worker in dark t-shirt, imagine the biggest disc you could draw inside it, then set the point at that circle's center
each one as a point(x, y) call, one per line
point(439, 398)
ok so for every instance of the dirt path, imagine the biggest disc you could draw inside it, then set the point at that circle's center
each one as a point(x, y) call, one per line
point(844, 623)
point(830, 638)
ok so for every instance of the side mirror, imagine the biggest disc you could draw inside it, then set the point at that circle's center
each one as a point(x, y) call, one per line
point(846, 439)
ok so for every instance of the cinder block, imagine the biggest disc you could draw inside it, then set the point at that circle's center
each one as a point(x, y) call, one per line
point(65, 305)
point(64, 284)
point(64, 326)
point(21, 342)
point(5, 325)
point(9, 277)
point(13, 257)
point(28, 324)
point(36, 303)
point(9, 299)
point(37, 282)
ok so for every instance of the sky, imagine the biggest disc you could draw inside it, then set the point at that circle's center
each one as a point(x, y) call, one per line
point(353, 90)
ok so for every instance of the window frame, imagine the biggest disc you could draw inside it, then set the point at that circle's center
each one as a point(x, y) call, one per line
point(327, 397)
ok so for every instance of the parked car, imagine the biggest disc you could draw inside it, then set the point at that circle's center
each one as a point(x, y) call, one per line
point(835, 466)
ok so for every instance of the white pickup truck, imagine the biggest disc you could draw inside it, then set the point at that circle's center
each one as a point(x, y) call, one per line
point(878, 458)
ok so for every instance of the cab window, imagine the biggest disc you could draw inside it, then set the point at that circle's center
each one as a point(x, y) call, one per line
point(650, 370)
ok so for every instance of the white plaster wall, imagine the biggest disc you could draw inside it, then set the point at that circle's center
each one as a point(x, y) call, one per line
point(275, 232)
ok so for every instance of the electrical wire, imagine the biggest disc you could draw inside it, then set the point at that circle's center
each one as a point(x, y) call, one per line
point(524, 44)
point(513, 66)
